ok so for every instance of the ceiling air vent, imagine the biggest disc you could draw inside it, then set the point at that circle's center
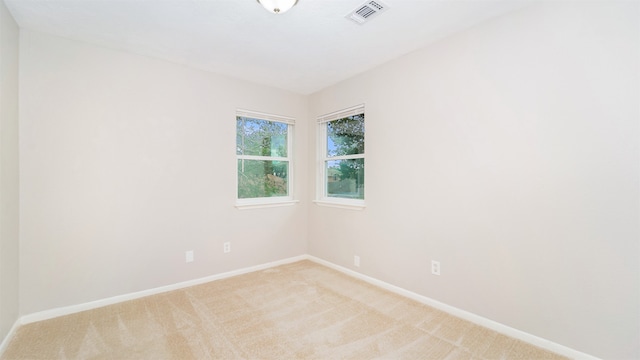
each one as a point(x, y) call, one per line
point(366, 11)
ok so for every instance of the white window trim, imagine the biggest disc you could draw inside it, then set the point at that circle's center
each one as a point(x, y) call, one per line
point(277, 202)
point(321, 181)
point(274, 201)
point(336, 203)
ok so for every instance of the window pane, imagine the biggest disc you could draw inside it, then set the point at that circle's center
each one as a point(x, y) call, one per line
point(345, 178)
point(346, 136)
point(261, 137)
point(262, 178)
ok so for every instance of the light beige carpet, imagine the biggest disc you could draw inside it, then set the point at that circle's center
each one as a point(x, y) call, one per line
point(300, 310)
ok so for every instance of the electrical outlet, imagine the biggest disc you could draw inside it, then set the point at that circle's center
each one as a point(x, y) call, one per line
point(188, 256)
point(356, 261)
point(227, 247)
point(435, 267)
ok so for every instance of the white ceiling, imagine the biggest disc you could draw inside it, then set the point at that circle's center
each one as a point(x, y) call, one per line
point(304, 50)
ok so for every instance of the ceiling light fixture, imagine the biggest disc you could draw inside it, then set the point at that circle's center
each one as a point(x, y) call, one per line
point(278, 6)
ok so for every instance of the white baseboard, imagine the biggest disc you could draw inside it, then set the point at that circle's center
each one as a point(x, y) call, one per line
point(477, 319)
point(53, 313)
point(12, 332)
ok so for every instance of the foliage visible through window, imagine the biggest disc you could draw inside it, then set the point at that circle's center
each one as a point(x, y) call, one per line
point(344, 158)
point(262, 149)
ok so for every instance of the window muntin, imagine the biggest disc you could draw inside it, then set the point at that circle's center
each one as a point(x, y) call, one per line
point(263, 150)
point(342, 157)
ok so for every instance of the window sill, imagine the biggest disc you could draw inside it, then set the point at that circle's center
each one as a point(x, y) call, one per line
point(340, 205)
point(266, 205)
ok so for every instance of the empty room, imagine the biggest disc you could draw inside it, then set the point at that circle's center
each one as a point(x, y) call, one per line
point(319, 179)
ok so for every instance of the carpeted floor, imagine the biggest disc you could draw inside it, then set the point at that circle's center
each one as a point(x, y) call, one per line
point(300, 310)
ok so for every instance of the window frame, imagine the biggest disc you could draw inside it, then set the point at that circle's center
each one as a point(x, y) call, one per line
point(258, 202)
point(322, 197)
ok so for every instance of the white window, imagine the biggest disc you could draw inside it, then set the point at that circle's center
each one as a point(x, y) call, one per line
point(263, 150)
point(341, 161)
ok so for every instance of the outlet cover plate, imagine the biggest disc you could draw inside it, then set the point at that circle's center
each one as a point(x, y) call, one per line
point(435, 267)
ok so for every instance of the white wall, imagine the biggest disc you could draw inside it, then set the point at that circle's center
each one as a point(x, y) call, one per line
point(508, 152)
point(126, 163)
point(9, 245)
